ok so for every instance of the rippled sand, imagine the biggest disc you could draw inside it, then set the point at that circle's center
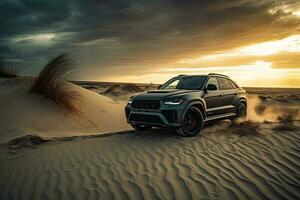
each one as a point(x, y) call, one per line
point(256, 161)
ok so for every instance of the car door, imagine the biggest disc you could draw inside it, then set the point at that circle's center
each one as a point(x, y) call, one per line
point(213, 98)
point(228, 95)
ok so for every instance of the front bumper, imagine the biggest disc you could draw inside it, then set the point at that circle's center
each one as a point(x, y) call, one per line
point(166, 116)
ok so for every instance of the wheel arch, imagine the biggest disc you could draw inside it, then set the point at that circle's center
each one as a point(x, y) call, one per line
point(242, 100)
point(198, 104)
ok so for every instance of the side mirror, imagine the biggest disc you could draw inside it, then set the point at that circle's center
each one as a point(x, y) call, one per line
point(159, 86)
point(211, 87)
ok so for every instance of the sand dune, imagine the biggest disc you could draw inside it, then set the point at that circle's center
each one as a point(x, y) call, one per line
point(116, 90)
point(122, 91)
point(158, 165)
point(48, 154)
point(28, 114)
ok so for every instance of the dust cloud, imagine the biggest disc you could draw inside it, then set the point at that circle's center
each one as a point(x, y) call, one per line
point(259, 111)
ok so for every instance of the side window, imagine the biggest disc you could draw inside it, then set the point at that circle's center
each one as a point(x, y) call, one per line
point(233, 85)
point(224, 84)
point(213, 81)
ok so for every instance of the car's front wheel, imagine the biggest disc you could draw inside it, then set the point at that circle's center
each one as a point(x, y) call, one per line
point(140, 127)
point(192, 123)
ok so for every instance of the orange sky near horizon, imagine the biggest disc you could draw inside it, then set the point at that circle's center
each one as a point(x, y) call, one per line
point(262, 68)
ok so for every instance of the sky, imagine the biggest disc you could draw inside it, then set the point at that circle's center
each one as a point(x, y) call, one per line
point(256, 43)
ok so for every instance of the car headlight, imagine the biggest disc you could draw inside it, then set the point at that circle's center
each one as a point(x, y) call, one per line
point(176, 101)
point(130, 100)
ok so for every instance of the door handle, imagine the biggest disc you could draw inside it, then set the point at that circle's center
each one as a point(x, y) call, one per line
point(220, 95)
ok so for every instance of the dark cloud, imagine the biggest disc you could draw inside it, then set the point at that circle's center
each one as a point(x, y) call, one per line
point(123, 34)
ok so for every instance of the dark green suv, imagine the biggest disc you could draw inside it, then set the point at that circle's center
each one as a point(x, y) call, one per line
point(186, 102)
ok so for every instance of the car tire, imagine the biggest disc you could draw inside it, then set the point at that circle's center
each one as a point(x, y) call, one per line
point(241, 112)
point(139, 127)
point(192, 123)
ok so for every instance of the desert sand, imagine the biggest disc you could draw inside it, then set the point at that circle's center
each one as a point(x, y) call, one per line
point(29, 114)
point(45, 154)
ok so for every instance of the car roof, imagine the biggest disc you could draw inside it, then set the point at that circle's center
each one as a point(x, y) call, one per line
point(210, 74)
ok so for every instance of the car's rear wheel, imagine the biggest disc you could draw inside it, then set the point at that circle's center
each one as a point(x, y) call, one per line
point(242, 111)
point(140, 127)
point(192, 123)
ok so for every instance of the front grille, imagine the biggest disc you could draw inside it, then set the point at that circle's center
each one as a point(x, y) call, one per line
point(145, 118)
point(145, 104)
point(170, 115)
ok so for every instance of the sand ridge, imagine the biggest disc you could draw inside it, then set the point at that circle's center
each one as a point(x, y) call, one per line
point(158, 165)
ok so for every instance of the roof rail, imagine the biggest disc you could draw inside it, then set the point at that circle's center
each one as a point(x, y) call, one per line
point(217, 74)
point(182, 75)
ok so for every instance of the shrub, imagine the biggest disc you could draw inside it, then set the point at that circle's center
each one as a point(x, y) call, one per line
point(52, 82)
point(289, 115)
point(285, 118)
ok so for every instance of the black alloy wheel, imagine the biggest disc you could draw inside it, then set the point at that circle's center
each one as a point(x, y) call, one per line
point(192, 122)
point(242, 111)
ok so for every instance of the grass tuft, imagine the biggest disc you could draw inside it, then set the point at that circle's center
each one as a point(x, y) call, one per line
point(52, 83)
point(289, 115)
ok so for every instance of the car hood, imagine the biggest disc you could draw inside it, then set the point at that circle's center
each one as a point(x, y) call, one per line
point(162, 94)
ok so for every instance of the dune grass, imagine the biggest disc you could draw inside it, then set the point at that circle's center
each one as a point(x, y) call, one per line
point(7, 72)
point(52, 82)
point(289, 115)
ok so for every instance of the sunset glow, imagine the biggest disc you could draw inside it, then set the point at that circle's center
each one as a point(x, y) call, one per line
point(257, 73)
point(286, 45)
point(255, 42)
point(252, 75)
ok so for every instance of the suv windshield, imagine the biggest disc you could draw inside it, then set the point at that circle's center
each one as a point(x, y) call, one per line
point(187, 83)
